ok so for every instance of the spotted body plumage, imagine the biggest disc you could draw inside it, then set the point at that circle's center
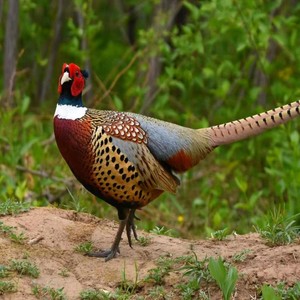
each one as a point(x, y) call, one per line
point(113, 173)
point(128, 159)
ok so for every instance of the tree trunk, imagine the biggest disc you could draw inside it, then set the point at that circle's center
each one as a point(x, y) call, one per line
point(163, 21)
point(129, 29)
point(53, 51)
point(10, 51)
point(262, 79)
point(1, 10)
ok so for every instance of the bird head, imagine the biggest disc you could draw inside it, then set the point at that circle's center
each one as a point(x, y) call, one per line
point(73, 78)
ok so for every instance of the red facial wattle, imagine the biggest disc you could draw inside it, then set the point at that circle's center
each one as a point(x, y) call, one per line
point(78, 79)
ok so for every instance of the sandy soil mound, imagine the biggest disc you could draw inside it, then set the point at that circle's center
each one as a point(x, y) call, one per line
point(58, 232)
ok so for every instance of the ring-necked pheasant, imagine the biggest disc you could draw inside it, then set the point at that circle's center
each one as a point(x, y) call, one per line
point(128, 159)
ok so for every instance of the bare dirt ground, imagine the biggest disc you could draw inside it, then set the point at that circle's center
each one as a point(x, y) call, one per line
point(60, 231)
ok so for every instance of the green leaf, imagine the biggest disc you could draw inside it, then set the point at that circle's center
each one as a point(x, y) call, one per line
point(24, 104)
point(225, 279)
point(268, 293)
point(118, 103)
point(295, 137)
point(242, 184)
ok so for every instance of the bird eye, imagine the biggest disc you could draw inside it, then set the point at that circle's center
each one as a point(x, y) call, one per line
point(77, 74)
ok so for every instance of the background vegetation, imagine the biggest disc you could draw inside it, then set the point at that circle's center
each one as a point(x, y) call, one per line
point(193, 63)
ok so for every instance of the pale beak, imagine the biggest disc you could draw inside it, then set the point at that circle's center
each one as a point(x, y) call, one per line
point(65, 78)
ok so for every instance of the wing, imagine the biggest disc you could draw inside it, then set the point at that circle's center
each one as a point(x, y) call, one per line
point(175, 147)
point(180, 148)
point(124, 138)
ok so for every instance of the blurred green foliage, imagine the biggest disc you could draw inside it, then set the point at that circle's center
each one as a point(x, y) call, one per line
point(224, 60)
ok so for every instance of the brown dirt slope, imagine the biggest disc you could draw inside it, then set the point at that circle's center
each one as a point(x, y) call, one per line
point(61, 231)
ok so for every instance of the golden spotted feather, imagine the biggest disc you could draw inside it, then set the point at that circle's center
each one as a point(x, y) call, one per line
point(124, 169)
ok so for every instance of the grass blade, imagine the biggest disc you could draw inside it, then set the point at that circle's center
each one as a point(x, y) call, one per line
point(225, 277)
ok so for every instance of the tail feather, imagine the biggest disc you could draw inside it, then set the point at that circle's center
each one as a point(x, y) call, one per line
point(243, 128)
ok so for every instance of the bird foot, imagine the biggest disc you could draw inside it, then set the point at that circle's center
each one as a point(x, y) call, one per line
point(130, 227)
point(107, 254)
point(115, 250)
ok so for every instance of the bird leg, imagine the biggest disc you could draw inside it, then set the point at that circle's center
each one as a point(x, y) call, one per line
point(126, 220)
point(131, 227)
point(112, 252)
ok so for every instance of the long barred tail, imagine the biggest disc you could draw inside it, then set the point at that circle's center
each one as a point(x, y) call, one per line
point(243, 128)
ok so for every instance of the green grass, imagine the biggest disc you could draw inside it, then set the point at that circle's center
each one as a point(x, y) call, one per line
point(13, 207)
point(241, 256)
point(75, 203)
point(157, 275)
point(24, 267)
point(144, 241)
point(268, 293)
point(281, 292)
point(126, 286)
point(9, 231)
point(196, 276)
point(162, 231)
point(18, 238)
point(6, 229)
point(191, 290)
point(64, 273)
point(279, 229)
point(288, 293)
point(219, 235)
point(85, 247)
point(93, 294)
point(158, 292)
point(4, 271)
point(193, 274)
point(226, 276)
point(197, 269)
point(126, 289)
point(46, 292)
point(7, 287)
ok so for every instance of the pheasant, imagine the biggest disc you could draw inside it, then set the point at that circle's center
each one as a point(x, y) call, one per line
point(128, 159)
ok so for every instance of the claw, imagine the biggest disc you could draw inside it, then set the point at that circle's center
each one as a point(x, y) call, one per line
point(114, 250)
point(127, 222)
point(107, 254)
point(131, 227)
point(137, 218)
point(134, 232)
point(128, 233)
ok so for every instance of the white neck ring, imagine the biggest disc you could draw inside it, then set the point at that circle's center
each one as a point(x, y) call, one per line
point(69, 112)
